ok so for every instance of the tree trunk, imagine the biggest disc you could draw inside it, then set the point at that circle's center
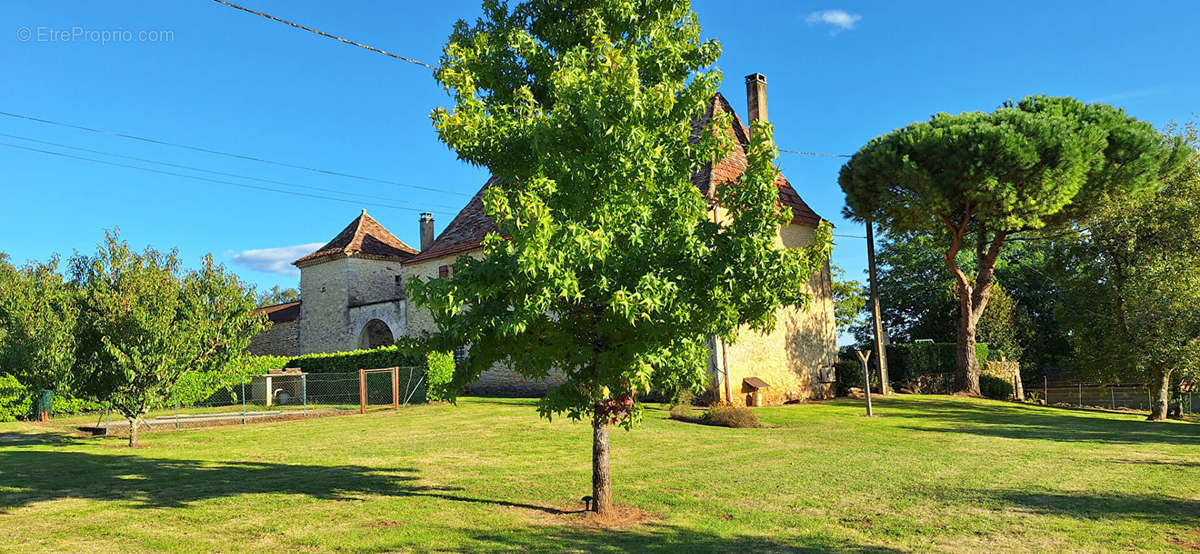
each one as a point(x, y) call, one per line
point(876, 319)
point(601, 479)
point(1160, 388)
point(966, 379)
point(134, 423)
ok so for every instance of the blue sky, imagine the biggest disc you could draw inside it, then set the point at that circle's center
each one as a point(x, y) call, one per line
point(202, 74)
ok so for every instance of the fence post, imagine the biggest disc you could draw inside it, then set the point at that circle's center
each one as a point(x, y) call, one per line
point(362, 391)
point(396, 387)
point(243, 380)
point(1113, 394)
point(1081, 394)
point(1045, 391)
point(176, 410)
point(304, 390)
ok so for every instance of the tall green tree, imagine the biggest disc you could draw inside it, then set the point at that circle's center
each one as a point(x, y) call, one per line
point(849, 300)
point(1132, 289)
point(38, 315)
point(146, 323)
point(975, 180)
point(611, 268)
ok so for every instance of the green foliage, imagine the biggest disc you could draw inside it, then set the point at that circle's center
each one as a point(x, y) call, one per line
point(610, 268)
point(995, 388)
point(145, 324)
point(354, 360)
point(906, 361)
point(278, 295)
point(849, 373)
point(15, 400)
point(1131, 290)
point(918, 299)
point(738, 417)
point(849, 300)
point(439, 372)
point(38, 314)
point(973, 180)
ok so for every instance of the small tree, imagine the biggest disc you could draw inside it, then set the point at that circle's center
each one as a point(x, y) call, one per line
point(608, 266)
point(38, 314)
point(974, 180)
point(145, 323)
point(1131, 289)
point(277, 295)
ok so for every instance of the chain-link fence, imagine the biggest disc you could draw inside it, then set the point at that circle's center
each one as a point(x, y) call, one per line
point(283, 395)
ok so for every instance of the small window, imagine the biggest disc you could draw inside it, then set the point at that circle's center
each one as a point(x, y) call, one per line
point(399, 281)
point(443, 271)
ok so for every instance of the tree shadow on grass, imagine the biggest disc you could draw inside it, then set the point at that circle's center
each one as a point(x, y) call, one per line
point(34, 476)
point(1037, 423)
point(656, 537)
point(1149, 508)
point(43, 439)
point(27, 477)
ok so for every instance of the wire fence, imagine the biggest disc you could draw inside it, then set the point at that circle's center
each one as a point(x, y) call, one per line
point(284, 395)
point(1110, 396)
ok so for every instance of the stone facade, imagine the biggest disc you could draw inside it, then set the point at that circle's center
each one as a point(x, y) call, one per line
point(279, 339)
point(795, 359)
point(342, 296)
point(353, 296)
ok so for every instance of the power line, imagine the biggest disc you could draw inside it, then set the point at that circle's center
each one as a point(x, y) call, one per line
point(849, 236)
point(433, 67)
point(327, 35)
point(198, 178)
point(210, 171)
point(819, 154)
point(226, 154)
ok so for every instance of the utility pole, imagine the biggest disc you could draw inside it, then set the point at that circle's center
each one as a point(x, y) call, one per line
point(876, 318)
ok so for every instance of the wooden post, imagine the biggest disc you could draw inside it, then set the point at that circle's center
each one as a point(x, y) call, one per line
point(396, 387)
point(362, 391)
point(1045, 391)
point(866, 378)
point(876, 317)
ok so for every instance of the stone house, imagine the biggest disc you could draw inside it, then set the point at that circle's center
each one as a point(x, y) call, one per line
point(352, 293)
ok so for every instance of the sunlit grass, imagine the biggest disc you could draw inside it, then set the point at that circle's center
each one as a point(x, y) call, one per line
point(938, 473)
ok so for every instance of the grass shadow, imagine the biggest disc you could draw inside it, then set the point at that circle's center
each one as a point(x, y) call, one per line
point(28, 476)
point(1019, 421)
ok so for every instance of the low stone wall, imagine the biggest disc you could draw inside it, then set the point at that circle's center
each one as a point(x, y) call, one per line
point(501, 380)
point(1009, 371)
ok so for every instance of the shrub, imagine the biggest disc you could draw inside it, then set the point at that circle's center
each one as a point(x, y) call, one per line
point(439, 371)
point(849, 374)
point(15, 401)
point(995, 387)
point(906, 361)
point(730, 416)
point(685, 412)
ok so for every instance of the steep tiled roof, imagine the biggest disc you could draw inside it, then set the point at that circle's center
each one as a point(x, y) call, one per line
point(730, 168)
point(279, 313)
point(471, 225)
point(364, 238)
point(465, 232)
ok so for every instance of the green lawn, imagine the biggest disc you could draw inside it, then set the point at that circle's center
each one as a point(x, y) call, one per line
point(931, 473)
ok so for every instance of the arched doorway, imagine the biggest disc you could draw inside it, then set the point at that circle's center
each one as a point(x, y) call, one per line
point(374, 334)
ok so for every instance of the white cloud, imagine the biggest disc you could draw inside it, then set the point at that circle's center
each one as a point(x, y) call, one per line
point(841, 20)
point(276, 260)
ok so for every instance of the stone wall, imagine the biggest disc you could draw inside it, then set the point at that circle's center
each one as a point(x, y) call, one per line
point(796, 359)
point(341, 296)
point(499, 380)
point(1009, 371)
point(279, 339)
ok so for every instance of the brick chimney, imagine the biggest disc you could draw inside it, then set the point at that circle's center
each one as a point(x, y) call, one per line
point(426, 230)
point(756, 97)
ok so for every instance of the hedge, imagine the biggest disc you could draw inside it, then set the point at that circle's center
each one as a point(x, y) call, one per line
point(906, 361)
